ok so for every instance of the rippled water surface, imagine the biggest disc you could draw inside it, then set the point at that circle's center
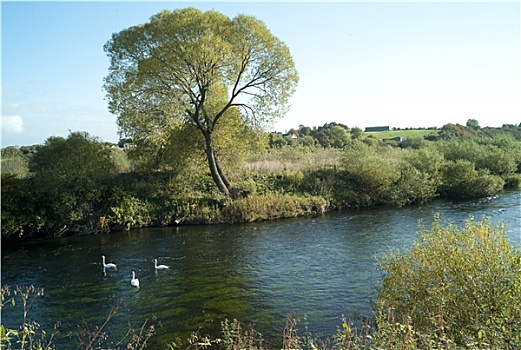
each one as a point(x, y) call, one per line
point(319, 268)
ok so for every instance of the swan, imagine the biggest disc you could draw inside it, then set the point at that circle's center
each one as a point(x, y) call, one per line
point(159, 267)
point(109, 265)
point(134, 281)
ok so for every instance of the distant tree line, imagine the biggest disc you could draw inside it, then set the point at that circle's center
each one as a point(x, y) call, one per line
point(338, 135)
point(81, 185)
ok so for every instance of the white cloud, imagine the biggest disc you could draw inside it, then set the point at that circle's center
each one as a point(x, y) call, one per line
point(12, 124)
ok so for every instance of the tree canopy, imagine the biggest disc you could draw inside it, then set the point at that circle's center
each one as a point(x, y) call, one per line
point(190, 70)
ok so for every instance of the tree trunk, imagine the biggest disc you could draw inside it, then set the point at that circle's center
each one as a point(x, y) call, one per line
point(221, 174)
point(215, 170)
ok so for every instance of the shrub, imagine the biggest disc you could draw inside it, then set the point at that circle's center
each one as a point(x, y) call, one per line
point(326, 182)
point(513, 181)
point(462, 180)
point(457, 285)
point(497, 161)
point(127, 212)
point(371, 173)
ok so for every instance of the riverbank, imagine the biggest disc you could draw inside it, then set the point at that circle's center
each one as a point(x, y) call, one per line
point(78, 186)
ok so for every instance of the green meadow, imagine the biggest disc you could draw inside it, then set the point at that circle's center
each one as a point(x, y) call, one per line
point(402, 133)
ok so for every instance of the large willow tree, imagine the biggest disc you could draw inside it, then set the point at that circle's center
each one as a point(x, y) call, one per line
point(189, 70)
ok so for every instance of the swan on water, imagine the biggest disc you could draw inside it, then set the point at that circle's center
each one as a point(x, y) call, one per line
point(109, 265)
point(134, 281)
point(159, 267)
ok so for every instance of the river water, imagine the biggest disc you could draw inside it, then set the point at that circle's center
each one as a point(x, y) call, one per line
point(319, 268)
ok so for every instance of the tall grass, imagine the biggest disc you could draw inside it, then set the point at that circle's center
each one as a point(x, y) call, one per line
point(293, 159)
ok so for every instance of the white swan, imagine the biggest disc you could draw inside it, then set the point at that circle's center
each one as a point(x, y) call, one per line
point(134, 281)
point(109, 265)
point(160, 267)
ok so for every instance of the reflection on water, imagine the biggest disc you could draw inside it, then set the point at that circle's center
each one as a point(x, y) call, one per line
point(319, 267)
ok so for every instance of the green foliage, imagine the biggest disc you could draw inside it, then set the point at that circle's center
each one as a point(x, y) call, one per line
point(235, 141)
point(307, 141)
point(327, 182)
point(356, 133)
point(371, 140)
point(289, 181)
point(428, 161)
point(457, 285)
point(17, 197)
point(449, 131)
point(79, 159)
point(120, 160)
point(70, 178)
point(126, 213)
point(184, 151)
point(473, 123)
point(276, 140)
point(332, 135)
point(371, 174)
point(454, 168)
point(508, 144)
point(466, 149)
point(513, 181)
point(498, 160)
point(462, 180)
point(510, 129)
point(413, 142)
point(67, 191)
point(14, 162)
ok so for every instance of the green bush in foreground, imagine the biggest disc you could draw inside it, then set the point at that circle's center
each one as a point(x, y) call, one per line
point(458, 286)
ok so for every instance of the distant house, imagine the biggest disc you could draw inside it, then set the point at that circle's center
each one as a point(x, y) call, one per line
point(289, 136)
point(376, 128)
point(126, 144)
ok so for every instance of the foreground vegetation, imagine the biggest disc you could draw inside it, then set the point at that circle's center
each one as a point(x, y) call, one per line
point(80, 185)
point(455, 288)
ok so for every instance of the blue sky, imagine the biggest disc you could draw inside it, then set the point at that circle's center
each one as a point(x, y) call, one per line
point(407, 64)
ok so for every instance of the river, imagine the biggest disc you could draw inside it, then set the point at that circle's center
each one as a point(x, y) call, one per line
point(319, 268)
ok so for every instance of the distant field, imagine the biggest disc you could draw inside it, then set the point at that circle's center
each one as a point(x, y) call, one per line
point(402, 133)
